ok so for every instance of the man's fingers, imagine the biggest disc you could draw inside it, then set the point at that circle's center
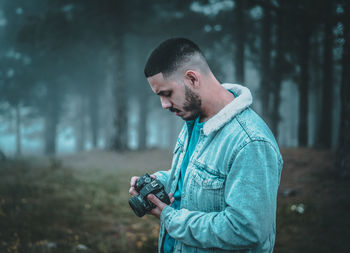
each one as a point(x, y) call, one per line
point(132, 191)
point(170, 195)
point(133, 181)
point(156, 201)
point(171, 198)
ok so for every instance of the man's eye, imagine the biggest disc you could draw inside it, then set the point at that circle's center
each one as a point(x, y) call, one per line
point(167, 94)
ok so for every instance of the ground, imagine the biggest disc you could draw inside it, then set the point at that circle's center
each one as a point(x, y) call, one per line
point(79, 203)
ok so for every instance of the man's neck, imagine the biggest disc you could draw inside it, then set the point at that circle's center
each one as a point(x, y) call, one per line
point(215, 98)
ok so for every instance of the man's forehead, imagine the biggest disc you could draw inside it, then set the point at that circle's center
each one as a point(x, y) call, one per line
point(157, 82)
point(156, 78)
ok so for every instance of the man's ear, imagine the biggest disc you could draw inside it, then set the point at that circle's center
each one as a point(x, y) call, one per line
point(192, 77)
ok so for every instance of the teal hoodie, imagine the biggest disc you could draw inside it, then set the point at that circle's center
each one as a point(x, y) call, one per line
point(229, 194)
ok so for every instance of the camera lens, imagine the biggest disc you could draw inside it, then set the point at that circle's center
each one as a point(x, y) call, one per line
point(137, 205)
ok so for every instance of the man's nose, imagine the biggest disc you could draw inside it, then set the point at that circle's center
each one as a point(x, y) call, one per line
point(165, 103)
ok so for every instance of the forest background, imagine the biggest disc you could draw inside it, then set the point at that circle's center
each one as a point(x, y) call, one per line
point(73, 96)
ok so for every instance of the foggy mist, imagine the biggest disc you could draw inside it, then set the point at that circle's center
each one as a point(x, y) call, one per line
point(71, 73)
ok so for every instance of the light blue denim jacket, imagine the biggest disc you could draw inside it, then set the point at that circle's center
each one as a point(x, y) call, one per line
point(228, 201)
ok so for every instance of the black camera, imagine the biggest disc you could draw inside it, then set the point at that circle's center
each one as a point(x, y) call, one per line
point(147, 185)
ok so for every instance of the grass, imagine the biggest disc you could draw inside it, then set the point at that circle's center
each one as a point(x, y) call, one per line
point(56, 209)
point(51, 210)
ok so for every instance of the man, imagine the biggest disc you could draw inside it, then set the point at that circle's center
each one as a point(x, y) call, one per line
point(226, 166)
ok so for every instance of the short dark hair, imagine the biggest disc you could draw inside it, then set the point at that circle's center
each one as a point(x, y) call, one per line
point(167, 57)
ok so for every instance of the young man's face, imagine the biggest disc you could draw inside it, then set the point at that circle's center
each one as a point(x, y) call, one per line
point(176, 97)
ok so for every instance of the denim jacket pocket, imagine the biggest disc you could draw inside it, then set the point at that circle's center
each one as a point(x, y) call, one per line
point(206, 191)
point(207, 181)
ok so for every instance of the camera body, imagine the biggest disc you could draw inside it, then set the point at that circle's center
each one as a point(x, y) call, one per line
point(146, 185)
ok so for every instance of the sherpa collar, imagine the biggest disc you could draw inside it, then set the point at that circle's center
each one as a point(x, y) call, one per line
point(243, 100)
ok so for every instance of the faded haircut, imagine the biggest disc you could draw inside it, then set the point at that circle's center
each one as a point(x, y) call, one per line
point(175, 54)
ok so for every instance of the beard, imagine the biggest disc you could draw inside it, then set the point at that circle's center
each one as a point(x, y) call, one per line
point(192, 104)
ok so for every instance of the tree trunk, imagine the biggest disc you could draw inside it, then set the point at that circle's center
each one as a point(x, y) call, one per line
point(303, 86)
point(278, 68)
point(52, 112)
point(51, 121)
point(265, 68)
point(343, 151)
point(18, 130)
point(120, 120)
point(81, 127)
point(325, 126)
point(94, 116)
point(239, 40)
point(2, 156)
point(275, 113)
point(142, 125)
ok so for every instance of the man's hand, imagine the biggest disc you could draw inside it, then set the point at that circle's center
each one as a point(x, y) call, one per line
point(132, 190)
point(133, 180)
point(159, 204)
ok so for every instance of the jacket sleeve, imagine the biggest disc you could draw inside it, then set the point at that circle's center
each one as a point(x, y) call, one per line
point(163, 176)
point(250, 197)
